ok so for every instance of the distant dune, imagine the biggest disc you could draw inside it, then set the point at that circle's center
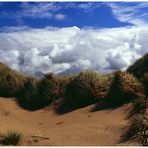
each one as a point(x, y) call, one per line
point(78, 128)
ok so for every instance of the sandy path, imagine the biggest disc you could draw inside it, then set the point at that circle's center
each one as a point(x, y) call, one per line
point(78, 128)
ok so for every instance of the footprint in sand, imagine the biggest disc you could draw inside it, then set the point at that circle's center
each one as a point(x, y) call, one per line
point(58, 123)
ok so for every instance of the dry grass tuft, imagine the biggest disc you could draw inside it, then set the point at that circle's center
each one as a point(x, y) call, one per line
point(139, 67)
point(10, 81)
point(84, 89)
point(12, 137)
point(137, 129)
point(125, 88)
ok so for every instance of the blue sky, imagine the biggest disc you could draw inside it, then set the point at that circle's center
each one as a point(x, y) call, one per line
point(68, 14)
point(66, 37)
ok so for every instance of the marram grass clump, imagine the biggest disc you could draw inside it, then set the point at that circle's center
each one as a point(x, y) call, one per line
point(28, 95)
point(48, 88)
point(124, 89)
point(137, 129)
point(52, 88)
point(10, 81)
point(144, 80)
point(139, 67)
point(86, 88)
point(12, 137)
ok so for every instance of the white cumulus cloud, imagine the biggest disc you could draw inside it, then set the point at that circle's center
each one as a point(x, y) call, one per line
point(64, 50)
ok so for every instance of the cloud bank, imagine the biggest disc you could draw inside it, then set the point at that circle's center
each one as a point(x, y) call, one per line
point(67, 50)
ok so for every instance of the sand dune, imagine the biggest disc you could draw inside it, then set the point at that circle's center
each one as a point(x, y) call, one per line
point(77, 128)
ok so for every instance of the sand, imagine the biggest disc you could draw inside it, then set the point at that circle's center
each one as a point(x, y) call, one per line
point(78, 128)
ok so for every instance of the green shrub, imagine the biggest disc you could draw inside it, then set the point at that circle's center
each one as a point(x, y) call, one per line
point(125, 88)
point(85, 89)
point(11, 138)
point(10, 81)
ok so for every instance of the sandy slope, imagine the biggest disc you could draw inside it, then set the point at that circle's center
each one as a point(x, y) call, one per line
point(78, 128)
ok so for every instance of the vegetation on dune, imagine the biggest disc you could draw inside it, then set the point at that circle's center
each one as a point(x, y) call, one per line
point(45, 87)
point(37, 93)
point(138, 126)
point(28, 95)
point(62, 83)
point(10, 81)
point(137, 129)
point(124, 89)
point(85, 89)
point(144, 80)
point(139, 67)
point(12, 137)
point(140, 70)
point(52, 88)
point(31, 92)
point(72, 92)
